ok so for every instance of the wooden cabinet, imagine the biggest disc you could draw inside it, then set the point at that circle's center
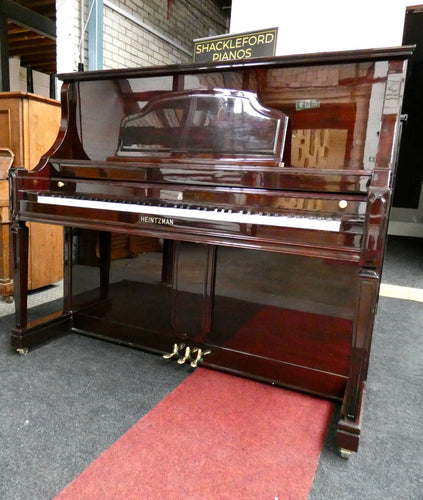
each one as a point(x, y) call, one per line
point(28, 127)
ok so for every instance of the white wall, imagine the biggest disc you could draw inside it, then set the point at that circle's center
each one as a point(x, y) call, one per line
point(41, 81)
point(136, 33)
point(323, 25)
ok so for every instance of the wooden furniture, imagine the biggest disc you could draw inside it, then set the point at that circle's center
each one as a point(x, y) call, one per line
point(269, 183)
point(6, 161)
point(28, 127)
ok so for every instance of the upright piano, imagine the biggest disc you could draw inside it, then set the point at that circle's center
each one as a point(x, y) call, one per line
point(266, 187)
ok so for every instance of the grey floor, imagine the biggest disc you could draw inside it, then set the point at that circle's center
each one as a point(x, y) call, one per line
point(389, 464)
point(65, 403)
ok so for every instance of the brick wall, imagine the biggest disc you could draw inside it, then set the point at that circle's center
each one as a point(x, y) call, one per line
point(140, 33)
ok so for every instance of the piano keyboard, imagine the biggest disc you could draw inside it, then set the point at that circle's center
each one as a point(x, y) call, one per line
point(205, 214)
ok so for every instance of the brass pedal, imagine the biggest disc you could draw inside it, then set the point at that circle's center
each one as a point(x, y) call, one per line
point(194, 362)
point(175, 351)
point(199, 357)
point(187, 354)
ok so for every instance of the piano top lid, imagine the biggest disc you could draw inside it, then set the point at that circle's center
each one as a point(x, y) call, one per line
point(310, 59)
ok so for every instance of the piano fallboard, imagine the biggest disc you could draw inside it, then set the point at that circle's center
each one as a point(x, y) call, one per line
point(249, 173)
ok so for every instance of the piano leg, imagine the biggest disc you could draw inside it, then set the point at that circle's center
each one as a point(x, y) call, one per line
point(67, 268)
point(28, 334)
point(349, 425)
point(19, 233)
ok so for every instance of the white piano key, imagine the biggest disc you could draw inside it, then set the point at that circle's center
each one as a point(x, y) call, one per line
point(242, 217)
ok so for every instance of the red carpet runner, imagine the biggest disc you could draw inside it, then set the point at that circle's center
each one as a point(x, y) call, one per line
point(215, 437)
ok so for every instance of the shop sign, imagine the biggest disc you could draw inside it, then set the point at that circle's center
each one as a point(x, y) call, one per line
point(236, 46)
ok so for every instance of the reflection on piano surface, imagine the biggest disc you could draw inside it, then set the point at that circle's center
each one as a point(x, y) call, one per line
point(266, 185)
point(219, 122)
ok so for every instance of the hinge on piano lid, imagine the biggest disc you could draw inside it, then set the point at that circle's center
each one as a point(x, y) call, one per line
point(404, 118)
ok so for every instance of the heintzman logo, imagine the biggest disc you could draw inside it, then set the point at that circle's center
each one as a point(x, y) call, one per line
point(238, 46)
point(148, 219)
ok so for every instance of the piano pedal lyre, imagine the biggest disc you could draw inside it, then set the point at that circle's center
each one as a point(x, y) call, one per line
point(175, 351)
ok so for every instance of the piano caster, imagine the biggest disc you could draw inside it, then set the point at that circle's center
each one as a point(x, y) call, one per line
point(344, 453)
point(23, 351)
point(175, 351)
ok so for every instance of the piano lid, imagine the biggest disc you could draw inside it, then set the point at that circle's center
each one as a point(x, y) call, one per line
point(218, 122)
